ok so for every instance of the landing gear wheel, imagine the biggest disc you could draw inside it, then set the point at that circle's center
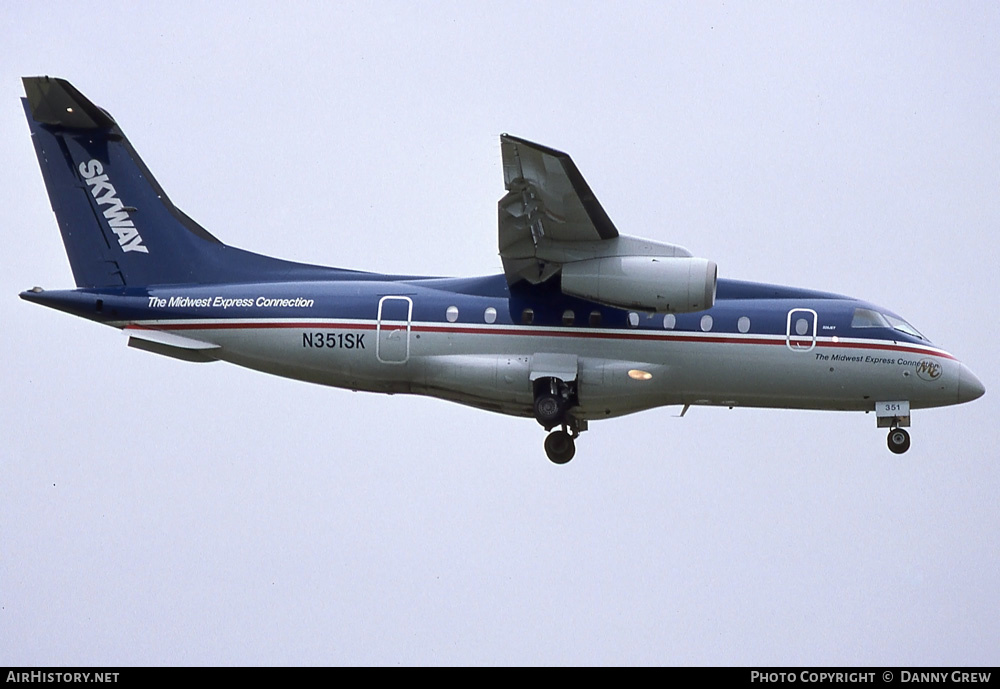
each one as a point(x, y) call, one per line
point(560, 447)
point(549, 410)
point(899, 441)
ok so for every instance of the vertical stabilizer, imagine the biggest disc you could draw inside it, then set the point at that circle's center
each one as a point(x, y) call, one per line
point(118, 226)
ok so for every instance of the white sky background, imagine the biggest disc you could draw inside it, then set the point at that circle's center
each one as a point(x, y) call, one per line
point(153, 511)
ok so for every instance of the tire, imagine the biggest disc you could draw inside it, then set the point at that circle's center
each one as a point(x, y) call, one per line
point(898, 441)
point(549, 410)
point(560, 447)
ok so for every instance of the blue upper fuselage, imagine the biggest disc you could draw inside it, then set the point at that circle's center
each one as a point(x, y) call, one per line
point(355, 295)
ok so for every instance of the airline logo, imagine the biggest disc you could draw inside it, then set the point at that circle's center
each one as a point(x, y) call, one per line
point(116, 214)
point(928, 369)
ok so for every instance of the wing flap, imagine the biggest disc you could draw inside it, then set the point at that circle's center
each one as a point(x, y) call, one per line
point(550, 216)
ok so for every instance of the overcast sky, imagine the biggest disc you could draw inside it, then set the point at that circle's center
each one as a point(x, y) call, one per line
point(160, 512)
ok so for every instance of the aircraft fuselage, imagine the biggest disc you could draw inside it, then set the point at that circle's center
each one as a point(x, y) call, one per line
point(470, 341)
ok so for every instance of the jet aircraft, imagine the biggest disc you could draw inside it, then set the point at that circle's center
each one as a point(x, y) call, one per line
point(583, 324)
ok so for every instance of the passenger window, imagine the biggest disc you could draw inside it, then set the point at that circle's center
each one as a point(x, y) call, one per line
point(669, 321)
point(595, 319)
point(490, 315)
point(633, 319)
point(568, 317)
point(743, 324)
point(528, 316)
point(706, 323)
point(451, 314)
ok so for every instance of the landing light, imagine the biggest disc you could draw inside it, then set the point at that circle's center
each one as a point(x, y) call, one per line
point(636, 374)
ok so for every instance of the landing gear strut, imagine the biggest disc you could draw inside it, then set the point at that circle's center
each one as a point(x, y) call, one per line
point(553, 400)
point(898, 441)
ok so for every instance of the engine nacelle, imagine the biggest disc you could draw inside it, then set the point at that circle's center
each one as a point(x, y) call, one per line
point(647, 283)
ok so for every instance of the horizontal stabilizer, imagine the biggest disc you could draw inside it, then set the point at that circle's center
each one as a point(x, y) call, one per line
point(166, 338)
point(168, 344)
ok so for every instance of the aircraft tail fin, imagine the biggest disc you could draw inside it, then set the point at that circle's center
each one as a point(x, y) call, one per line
point(118, 226)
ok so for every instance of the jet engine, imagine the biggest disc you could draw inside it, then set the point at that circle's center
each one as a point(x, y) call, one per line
point(647, 283)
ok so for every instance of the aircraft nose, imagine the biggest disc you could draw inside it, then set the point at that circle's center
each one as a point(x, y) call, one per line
point(969, 387)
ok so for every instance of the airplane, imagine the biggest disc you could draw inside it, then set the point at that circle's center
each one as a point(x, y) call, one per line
point(583, 324)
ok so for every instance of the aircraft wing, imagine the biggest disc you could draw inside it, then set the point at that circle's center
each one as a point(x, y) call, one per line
point(550, 217)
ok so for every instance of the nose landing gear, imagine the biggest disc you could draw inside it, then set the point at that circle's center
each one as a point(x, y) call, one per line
point(894, 415)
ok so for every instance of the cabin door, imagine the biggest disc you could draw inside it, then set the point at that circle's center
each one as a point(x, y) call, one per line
point(392, 332)
point(800, 332)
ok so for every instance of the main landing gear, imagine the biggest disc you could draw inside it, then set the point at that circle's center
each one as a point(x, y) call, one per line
point(553, 400)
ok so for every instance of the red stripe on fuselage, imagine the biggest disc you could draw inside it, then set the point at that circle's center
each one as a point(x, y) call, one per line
point(526, 331)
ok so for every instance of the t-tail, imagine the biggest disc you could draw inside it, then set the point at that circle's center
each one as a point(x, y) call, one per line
point(119, 227)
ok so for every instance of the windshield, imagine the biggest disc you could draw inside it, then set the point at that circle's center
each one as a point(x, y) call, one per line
point(868, 318)
point(903, 326)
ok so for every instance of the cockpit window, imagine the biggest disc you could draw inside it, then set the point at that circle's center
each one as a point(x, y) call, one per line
point(903, 326)
point(866, 318)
